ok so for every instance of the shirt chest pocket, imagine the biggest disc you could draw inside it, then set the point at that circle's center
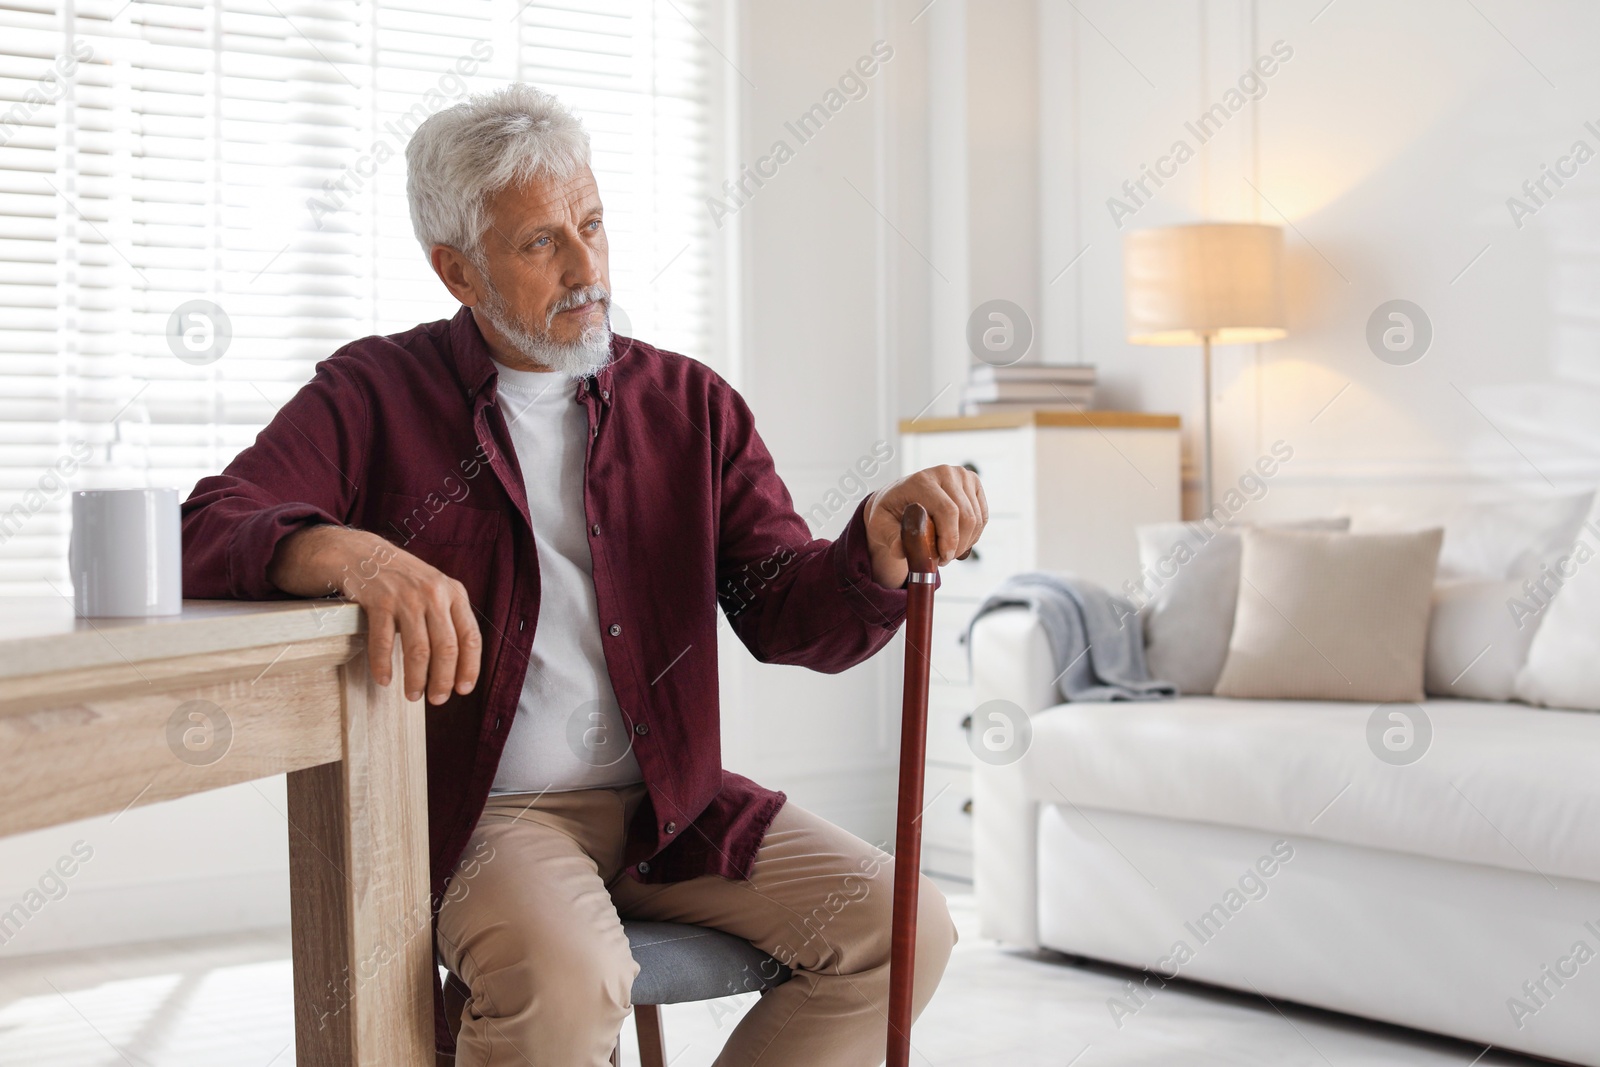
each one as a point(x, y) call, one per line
point(423, 525)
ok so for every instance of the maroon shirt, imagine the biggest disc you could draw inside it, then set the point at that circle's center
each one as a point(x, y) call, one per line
point(402, 435)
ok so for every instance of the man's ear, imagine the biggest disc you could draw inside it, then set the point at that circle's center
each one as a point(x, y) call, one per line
point(458, 273)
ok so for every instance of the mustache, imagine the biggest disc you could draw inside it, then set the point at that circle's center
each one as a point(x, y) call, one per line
point(577, 298)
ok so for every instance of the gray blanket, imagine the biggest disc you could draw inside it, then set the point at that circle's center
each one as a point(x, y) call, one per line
point(1095, 637)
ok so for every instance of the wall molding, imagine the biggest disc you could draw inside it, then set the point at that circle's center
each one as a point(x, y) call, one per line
point(1513, 473)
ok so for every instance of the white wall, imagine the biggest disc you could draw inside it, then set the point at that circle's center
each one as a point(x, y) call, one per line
point(1389, 142)
point(211, 862)
point(983, 174)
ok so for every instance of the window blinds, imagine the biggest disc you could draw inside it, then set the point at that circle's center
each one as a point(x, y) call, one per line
point(174, 175)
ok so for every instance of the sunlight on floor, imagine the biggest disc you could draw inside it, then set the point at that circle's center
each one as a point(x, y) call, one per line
point(212, 1002)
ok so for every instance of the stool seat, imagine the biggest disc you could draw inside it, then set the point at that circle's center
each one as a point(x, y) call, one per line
point(680, 963)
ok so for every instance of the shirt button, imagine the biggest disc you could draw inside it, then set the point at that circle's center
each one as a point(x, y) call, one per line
point(605, 394)
point(520, 624)
point(595, 529)
point(644, 867)
point(671, 828)
point(641, 728)
point(615, 630)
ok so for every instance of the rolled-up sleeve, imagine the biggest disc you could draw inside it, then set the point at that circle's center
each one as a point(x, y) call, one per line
point(302, 469)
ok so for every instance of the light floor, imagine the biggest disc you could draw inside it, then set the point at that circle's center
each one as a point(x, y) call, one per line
point(228, 1003)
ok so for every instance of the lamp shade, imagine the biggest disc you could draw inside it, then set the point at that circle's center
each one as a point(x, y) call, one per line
point(1216, 280)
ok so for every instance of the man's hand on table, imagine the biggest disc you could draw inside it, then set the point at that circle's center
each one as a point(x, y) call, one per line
point(402, 595)
point(955, 503)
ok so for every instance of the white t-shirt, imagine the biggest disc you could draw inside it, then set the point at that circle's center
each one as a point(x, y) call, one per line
point(568, 732)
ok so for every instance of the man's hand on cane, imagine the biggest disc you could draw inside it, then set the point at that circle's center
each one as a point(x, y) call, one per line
point(955, 503)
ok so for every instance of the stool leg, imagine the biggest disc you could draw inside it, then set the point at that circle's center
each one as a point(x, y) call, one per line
point(652, 1043)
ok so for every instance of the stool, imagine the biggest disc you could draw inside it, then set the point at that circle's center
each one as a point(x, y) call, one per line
point(678, 964)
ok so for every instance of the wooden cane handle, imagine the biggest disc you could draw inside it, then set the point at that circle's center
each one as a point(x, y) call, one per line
point(916, 529)
point(916, 536)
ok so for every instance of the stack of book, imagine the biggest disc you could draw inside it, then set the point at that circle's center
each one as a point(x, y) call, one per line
point(1028, 387)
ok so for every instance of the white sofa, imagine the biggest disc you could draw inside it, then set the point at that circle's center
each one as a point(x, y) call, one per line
point(1262, 846)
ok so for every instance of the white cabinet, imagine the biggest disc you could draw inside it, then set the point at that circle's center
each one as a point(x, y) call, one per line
point(1065, 492)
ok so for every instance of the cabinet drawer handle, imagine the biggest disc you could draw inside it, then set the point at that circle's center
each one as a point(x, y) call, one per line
point(972, 554)
point(966, 723)
point(971, 466)
point(966, 809)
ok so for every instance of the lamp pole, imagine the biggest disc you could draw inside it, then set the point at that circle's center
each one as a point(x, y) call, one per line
point(1205, 468)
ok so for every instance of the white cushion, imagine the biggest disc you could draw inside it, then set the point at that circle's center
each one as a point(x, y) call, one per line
point(1476, 645)
point(1190, 571)
point(1504, 785)
point(1563, 667)
point(1493, 539)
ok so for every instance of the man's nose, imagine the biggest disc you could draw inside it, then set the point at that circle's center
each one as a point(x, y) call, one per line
point(582, 267)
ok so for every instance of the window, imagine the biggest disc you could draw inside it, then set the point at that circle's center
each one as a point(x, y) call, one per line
point(181, 179)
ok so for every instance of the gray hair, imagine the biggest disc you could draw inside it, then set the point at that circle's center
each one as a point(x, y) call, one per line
point(462, 156)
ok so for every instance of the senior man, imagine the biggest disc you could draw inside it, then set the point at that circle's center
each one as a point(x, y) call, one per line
point(548, 518)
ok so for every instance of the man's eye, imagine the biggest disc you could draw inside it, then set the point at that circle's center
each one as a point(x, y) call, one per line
point(594, 225)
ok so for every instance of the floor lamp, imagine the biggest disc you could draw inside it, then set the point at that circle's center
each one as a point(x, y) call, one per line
point(1205, 283)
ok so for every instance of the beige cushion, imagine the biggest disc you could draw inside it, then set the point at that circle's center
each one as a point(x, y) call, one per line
point(1329, 616)
point(1190, 572)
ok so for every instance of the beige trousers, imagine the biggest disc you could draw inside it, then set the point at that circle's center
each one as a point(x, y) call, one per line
point(531, 924)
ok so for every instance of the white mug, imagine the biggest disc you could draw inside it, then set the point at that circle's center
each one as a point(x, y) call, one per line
point(126, 552)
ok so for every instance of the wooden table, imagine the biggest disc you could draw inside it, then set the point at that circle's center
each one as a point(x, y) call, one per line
point(97, 716)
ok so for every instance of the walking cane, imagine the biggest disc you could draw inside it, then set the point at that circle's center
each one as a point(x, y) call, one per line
point(917, 537)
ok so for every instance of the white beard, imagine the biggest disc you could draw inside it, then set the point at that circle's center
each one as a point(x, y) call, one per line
point(578, 359)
